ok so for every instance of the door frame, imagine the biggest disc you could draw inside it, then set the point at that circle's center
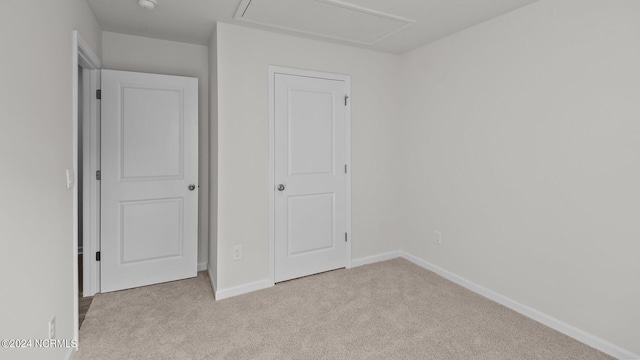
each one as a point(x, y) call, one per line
point(81, 56)
point(90, 148)
point(91, 193)
point(273, 70)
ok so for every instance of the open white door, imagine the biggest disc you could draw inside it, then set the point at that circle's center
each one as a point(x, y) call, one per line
point(310, 160)
point(149, 173)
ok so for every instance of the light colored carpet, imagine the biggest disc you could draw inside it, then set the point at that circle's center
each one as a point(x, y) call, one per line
point(388, 310)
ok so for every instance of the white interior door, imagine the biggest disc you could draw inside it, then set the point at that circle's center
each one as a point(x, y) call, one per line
point(310, 164)
point(149, 173)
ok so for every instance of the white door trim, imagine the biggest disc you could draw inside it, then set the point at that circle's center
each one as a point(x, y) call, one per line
point(91, 186)
point(273, 70)
point(83, 56)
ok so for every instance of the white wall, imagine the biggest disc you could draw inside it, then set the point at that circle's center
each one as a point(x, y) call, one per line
point(36, 243)
point(518, 139)
point(243, 149)
point(521, 144)
point(134, 53)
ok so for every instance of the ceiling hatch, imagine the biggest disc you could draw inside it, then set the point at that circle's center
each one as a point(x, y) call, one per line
point(325, 18)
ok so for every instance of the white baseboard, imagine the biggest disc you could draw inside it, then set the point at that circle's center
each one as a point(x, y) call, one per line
point(375, 258)
point(263, 284)
point(580, 335)
point(212, 279)
point(242, 289)
point(203, 266)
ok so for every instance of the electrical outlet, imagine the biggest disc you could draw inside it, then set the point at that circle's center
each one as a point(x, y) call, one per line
point(52, 328)
point(237, 252)
point(437, 237)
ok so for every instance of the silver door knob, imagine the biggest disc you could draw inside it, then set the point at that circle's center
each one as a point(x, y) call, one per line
point(192, 187)
point(281, 187)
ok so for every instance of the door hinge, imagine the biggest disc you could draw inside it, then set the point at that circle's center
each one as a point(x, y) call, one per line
point(98, 94)
point(98, 256)
point(345, 168)
point(98, 176)
point(345, 237)
point(346, 97)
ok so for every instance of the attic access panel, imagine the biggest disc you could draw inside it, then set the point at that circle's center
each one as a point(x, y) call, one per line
point(325, 18)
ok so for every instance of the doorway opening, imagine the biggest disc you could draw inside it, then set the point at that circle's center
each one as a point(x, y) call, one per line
point(85, 77)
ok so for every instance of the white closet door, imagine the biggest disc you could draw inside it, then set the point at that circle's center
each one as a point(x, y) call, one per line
point(310, 157)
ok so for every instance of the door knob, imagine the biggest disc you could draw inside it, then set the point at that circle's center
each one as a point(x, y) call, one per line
point(281, 187)
point(192, 187)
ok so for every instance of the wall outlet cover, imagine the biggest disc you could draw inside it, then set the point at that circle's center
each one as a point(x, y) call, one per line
point(237, 252)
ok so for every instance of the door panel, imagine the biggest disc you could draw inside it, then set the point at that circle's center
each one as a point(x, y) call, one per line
point(148, 230)
point(311, 225)
point(310, 132)
point(310, 155)
point(149, 159)
point(154, 129)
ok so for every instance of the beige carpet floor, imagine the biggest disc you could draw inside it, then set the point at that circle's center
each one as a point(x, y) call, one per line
point(388, 310)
